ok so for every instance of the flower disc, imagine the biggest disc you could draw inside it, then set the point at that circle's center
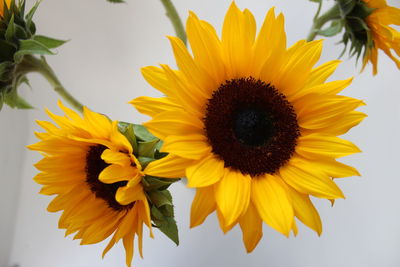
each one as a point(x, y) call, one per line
point(251, 126)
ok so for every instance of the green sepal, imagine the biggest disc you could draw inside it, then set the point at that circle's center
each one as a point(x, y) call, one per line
point(116, 1)
point(31, 47)
point(10, 32)
point(49, 42)
point(346, 6)
point(28, 18)
point(335, 27)
point(151, 183)
point(15, 101)
point(128, 131)
point(142, 133)
point(147, 149)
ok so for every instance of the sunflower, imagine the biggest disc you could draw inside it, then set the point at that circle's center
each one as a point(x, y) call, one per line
point(251, 124)
point(384, 37)
point(91, 168)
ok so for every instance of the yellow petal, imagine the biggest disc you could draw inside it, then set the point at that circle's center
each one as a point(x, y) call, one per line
point(296, 71)
point(191, 146)
point(119, 140)
point(318, 145)
point(169, 167)
point(206, 172)
point(200, 80)
point(116, 173)
point(273, 203)
point(232, 195)
point(320, 74)
point(156, 77)
point(330, 88)
point(128, 245)
point(203, 204)
point(334, 168)
point(206, 47)
point(115, 157)
point(251, 225)
point(305, 210)
point(127, 194)
point(304, 178)
point(174, 123)
point(98, 125)
point(152, 106)
point(238, 34)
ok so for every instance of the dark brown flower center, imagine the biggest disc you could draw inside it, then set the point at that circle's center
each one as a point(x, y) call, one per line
point(251, 126)
point(94, 166)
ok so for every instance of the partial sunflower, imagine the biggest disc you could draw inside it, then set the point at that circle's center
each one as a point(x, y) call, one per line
point(4, 3)
point(91, 168)
point(251, 124)
point(384, 36)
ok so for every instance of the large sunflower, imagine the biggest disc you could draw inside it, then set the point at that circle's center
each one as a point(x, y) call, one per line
point(251, 124)
point(91, 168)
point(384, 37)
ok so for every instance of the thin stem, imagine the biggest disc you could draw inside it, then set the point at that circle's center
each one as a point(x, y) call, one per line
point(176, 21)
point(33, 64)
point(331, 14)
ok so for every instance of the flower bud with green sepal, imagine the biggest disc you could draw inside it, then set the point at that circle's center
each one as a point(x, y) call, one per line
point(146, 149)
point(19, 44)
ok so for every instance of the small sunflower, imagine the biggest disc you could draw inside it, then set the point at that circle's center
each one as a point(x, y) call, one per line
point(91, 168)
point(251, 124)
point(384, 37)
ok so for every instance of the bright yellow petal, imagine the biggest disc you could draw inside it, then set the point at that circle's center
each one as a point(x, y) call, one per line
point(203, 204)
point(191, 146)
point(232, 195)
point(169, 167)
point(251, 225)
point(305, 210)
point(320, 74)
point(206, 172)
point(317, 145)
point(126, 195)
point(174, 123)
point(152, 106)
point(273, 203)
point(206, 47)
point(304, 178)
point(115, 157)
point(116, 173)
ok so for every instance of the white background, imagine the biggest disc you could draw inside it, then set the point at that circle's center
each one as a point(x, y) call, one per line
point(100, 66)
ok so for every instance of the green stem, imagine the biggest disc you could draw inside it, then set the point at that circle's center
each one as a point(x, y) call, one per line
point(176, 21)
point(33, 64)
point(331, 14)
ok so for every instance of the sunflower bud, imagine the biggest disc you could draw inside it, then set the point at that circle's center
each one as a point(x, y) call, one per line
point(146, 148)
point(18, 43)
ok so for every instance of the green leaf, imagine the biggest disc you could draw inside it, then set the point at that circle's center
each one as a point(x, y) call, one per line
point(4, 70)
point(167, 225)
point(142, 133)
point(128, 131)
point(147, 149)
point(31, 47)
point(332, 30)
point(49, 42)
point(10, 32)
point(116, 1)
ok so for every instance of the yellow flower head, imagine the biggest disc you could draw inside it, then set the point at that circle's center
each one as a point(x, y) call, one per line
point(384, 37)
point(2, 3)
point(90, 166)
point(252, 124)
